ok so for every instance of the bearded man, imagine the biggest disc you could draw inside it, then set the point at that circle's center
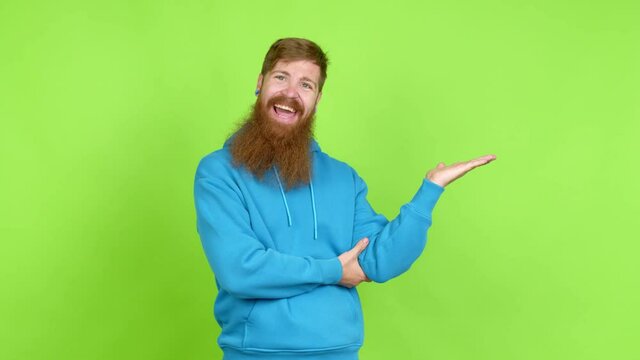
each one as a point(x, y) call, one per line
point(288, 230)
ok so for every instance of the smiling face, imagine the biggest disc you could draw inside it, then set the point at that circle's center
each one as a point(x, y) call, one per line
point(278, 132)
point(289, 92)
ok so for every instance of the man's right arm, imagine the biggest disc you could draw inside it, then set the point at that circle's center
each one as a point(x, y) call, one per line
point(243, 266)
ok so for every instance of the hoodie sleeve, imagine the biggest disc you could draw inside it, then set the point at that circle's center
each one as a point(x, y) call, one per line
point(243, 266)
point(395, 245)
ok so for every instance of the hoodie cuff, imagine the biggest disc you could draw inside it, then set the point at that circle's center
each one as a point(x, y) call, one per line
point(425, 199)
point(331, 270)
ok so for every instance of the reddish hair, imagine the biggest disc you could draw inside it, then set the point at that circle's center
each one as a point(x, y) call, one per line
point(292, 49)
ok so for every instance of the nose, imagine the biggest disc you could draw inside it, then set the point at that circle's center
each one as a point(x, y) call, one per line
point(291, 90)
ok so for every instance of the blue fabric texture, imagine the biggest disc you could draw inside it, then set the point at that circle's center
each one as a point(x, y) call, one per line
point(274, 253)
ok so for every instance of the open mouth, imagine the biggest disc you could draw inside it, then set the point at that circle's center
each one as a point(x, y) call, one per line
point(285, 113)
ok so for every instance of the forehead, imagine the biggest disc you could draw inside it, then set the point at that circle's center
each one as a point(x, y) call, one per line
point(301, 68)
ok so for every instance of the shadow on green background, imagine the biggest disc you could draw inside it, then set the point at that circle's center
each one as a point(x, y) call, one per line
point(108, 106)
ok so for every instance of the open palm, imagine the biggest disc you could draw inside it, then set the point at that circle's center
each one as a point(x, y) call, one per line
point(444, 175)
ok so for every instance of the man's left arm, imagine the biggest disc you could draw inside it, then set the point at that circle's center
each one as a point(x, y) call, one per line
point(393, 245)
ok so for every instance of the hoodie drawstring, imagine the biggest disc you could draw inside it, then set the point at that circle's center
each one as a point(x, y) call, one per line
point(283, 197)
point(313, 203)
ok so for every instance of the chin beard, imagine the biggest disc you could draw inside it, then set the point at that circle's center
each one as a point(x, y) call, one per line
point(262, 142)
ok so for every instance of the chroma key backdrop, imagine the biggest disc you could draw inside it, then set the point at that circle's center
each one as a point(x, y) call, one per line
point(106, 108)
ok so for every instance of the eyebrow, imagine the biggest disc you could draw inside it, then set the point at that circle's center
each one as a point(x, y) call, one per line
point(303, 78)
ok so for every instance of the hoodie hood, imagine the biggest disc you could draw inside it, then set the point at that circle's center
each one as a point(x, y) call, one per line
point(315, 147)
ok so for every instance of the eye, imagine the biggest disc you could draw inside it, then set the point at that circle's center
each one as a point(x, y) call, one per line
point(279, 77)
point(307, 85)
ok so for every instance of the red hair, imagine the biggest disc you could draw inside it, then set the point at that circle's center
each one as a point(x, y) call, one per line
point(292, 49)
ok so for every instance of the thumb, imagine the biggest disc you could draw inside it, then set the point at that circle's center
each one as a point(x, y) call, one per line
point(360, 246)
point(441, 165)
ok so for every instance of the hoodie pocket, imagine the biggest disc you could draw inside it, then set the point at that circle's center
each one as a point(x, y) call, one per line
point(326, 317)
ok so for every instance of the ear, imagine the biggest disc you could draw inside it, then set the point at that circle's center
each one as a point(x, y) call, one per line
point(319, 97)
point(259, 84)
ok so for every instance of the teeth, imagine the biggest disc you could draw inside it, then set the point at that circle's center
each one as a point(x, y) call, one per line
point(284, 107)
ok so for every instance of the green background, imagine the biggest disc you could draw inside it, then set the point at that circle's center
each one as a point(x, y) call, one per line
point(106, 107)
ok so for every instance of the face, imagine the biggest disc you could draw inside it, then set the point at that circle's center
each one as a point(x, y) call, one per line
point(289, 92)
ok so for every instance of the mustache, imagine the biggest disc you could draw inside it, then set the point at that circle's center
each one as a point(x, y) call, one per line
point(287, 101)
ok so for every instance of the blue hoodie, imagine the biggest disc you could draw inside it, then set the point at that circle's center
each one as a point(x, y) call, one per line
point(275, 252)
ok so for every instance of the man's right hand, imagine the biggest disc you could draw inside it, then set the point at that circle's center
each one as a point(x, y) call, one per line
point(352, 273)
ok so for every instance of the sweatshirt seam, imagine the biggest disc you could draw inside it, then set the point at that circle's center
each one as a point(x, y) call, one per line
point(420, 213)
point(246, 323)
point(296, 351)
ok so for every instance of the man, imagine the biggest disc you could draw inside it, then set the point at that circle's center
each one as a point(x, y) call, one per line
point(287, 229)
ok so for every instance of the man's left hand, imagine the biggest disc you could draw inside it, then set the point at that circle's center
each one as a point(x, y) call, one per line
point(443, 175)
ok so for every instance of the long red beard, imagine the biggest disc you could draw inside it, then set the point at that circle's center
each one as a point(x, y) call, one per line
point(262, 142)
